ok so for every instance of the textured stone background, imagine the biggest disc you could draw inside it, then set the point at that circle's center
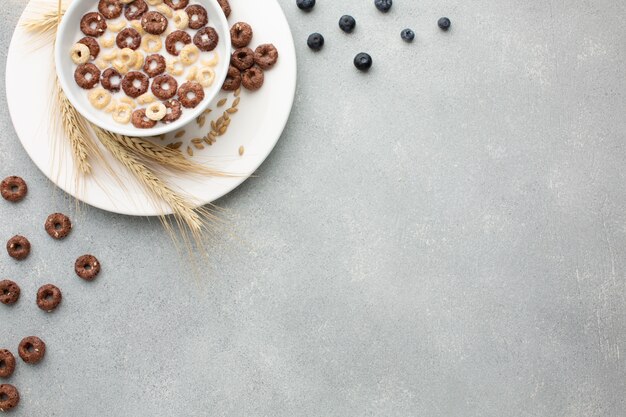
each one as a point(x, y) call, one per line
point(443, 236)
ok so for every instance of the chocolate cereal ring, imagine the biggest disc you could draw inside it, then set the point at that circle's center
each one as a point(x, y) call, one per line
point(154, 65)
point(87, 266)
point(110, 9)
point(9, 397)
point(198, 16)
point(7, 363)
point(240, 34)
point(13, 189)
point(92, 44)
point(252, 78)
point(135, 83)
point(135, 10)
point(93, 24)
point(140, 121)
point(225, 7)
point(190, 94)
point(206, 39)
point(18, 247)
point(87, 76)
point(128, 38)
point(242, 58)
point(58, 226)
point(111, 80)
point(164, 86)
point(265, 56)
point(31, 349)
point(49, 297)
point(154, 23)
point(233, 79)
point(175, 38)
point(177, 4)
point(9, 292)
point(173, 111)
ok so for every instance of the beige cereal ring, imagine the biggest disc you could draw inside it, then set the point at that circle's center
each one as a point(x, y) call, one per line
point(163, 9)
point(111, 107)
point(99, 98)
point(127, 56)
point(156, 111)
point(122, 113)
point(110, 56)
point(120, 67)
point(154, 2)
point(108, 42)
point(151, 43)
point(116, 26)
point(80, 54)
point(175, 67)
point(189, 54)
point(213, 61)
point(191, 75)
point(146, 98)
point(126, 1)
point(181, 19)
point(205, 77)
point(128, 101)
point(136, 24)
point(139, 60)
point(101, 64)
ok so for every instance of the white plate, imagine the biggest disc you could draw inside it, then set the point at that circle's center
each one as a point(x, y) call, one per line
point(257, 126)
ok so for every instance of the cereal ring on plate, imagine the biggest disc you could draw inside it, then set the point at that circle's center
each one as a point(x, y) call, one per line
point(206, 39)
point(154, 23)
point(140, 121)
point(162, 8)
point(173, 111)
point(87, 267)
point(233, 79)
point(151, 43)
point(139, 59)
point(225, 7)
point(154, 65)
point(31, 349)
point(129, 101)
point(175, 38)
point(205, 77)
point(240, 34)
point(80, 53)
point(9, 397)
point(99, 98)
point(175, 67)
point(213, 61)
point(49, 297)
point(156, 111)
point(191, 75)
point(190, 94)
point(92, 44)
point(122, 113)
point(242, 58)
point(136, 24)
point(110, 9)
point(198, 16)
point(128, 38)
point(117, 26)
point(7, 363)
point(87, 76)
point(177, 4)
point(135, 83)
point(266, 55)
point(181, 20)
point(93, 24)
point(9, 294)
point(135, 10)
point(13, 189)
point(164, 86)
point(58, 226)
point(252, 78)
point(189, 54)
point(146, 99)
point(154, 2)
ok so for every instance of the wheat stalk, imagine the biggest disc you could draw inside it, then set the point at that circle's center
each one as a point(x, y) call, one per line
point(76, 130)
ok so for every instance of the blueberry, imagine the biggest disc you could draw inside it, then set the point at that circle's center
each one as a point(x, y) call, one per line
point(315, 41)
point(363, 61)
point(305, 4)
point(407, 35)
point(347, 23)
point(383, 5)
point(444, 23)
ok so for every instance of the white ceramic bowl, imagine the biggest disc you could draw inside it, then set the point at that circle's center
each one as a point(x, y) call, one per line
point(69, 33)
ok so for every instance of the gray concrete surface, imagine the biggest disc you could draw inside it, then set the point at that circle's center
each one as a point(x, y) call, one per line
point(443, 236)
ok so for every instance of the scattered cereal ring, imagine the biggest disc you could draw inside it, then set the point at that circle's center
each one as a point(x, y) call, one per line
point(177, 4)
point(136, 24)
point(191, 75)
point(9, 397)
point(173, 111)
point(206, 39)
point(154, 23)
point(13, 189)
point(128, 38)
point(99, 98)
point(31, 349)
point(151, 43)
point(190, 94)
point(87, 76)
point(9, 294)
point(135, 10)
point(181, 20)
point(240, 34)
point(92, 44)
point(140, 121)
point(58, 226)
point(117, 26)
point(242, 58)
point(49, 297)
point(110, 9)
point(205, 77)
point(233, 79)
point(198, 16)
point(189, 54)
point(135, 83)
point(122, 113)
point(146, 99)
point(252, 78)
point(93, 24)
point(87, 267)
point(266, 55)
point(213, 61)
point(225, 7)
point(156, 111)
point(138, 60)
point(162, 8)
point(164, 86)
point(175, 39)
point(154, 65)
point(129, 101)
point(154, 2)
point(7, 363)
point(175, 67)
point(80, 53)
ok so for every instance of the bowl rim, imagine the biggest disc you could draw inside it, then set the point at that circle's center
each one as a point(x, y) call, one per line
point(132, 131)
